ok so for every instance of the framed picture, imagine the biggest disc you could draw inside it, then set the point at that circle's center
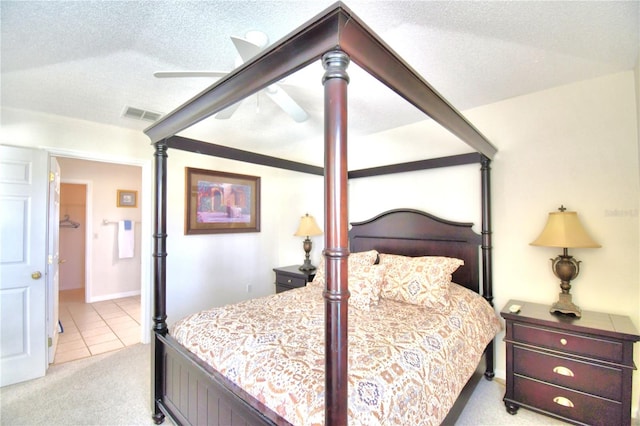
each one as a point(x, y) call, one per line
point(219, 202)
point(127, 198)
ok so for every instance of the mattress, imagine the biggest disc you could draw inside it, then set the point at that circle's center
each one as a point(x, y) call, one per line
point(407, 364)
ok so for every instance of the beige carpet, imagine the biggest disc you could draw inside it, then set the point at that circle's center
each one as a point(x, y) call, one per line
point(113, 389)
point(485, 407)
point(107, 389)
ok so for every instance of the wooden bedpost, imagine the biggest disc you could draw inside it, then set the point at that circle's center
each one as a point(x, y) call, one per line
point(336, 233)
point(159, 276)
point(487, 274)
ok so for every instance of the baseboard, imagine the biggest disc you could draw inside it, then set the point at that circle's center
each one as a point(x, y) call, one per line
point(114, 296)
point(500, 374)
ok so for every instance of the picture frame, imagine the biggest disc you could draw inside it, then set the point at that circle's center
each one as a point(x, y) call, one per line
point(220, 202)
point(127, 198)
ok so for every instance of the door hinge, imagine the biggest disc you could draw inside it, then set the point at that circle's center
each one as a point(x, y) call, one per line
point(50, 259)
point(50, 341)
point(52, 176)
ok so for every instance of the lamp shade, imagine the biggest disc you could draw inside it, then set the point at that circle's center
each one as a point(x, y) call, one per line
point(308, 227)
point(563, 229)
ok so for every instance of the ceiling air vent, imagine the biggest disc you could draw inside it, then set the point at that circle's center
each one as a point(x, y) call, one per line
point(141, 114)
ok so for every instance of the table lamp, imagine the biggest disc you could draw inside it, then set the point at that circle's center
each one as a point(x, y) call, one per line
point(308, 228)
point(563, 229)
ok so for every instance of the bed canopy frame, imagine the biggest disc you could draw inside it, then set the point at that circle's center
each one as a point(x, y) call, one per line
point(335, 36)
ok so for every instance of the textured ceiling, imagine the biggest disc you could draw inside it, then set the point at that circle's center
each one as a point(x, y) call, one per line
point(87, 59)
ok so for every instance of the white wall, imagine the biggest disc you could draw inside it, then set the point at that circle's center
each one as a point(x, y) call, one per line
point(31, 129)
point(215, 269)
point(575, 145)
point(202, 270)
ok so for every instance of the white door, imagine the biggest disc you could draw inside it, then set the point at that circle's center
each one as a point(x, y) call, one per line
point(53, 258)
point(23, 244)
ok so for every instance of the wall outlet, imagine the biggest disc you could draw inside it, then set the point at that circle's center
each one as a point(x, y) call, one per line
point(249, 288)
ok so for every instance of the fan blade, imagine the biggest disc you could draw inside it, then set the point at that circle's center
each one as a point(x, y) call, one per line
point(284, 101)
point(182, 74)
point(245, 48)
point(228, 111)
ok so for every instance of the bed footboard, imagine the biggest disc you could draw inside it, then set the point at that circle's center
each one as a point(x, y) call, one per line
point(192, 393)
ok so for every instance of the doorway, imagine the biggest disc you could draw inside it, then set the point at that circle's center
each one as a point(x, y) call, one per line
point(88, 329)
point(101, 295)
point(37, 307)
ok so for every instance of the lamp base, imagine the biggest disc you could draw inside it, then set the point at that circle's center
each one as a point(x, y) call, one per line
point(307, 266)
point(564, 305)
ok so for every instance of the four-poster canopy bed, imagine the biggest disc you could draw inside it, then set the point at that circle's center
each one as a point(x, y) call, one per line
point(188, 389)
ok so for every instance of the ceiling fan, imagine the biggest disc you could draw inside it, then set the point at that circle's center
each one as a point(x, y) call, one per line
point(247, 48)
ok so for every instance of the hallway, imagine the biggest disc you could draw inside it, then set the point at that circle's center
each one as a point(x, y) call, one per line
point(95, 328)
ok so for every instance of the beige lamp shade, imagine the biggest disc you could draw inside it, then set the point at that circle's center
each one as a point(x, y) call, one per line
point(308, 227)
point(563, 229)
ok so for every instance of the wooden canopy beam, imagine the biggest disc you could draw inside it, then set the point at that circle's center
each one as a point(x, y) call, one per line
point(335, 28)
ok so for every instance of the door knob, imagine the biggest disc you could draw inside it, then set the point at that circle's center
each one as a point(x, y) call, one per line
point(36, 275)
point(61, 261)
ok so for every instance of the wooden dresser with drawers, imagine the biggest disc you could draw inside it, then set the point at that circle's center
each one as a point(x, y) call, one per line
point(576, 369)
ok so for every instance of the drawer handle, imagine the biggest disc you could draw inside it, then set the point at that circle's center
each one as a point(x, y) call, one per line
point(563, 371)
point(563, 342)
point(289, 281)
point(561, 400)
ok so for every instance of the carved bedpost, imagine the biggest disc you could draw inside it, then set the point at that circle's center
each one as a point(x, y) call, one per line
point(487, 272)
point(336, 233)
point(159, 275)
point(487, 275)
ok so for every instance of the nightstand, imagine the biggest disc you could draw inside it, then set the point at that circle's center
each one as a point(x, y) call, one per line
point(578, 370)
point(289, 277)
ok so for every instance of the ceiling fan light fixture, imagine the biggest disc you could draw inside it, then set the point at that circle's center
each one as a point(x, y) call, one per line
point(248, 47)
point(258, 38)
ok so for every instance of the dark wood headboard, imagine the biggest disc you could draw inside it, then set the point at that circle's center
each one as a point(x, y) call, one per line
point(411, 232)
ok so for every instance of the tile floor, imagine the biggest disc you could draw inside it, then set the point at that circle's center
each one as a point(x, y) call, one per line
point(95, 328)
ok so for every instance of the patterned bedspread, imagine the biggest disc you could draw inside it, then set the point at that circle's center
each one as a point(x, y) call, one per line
point(407, 364)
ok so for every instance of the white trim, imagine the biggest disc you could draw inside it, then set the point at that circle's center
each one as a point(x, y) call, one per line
point(115, 296)
point(145, 226)
point(95, 156)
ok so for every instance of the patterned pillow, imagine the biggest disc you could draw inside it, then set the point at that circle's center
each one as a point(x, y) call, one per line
point(360, 258)
point(418, 280)
point(363, 258)
point(365, 283)
point(318, 280)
